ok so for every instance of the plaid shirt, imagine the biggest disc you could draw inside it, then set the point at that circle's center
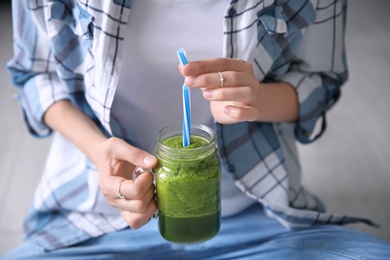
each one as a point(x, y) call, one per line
point(72, 49)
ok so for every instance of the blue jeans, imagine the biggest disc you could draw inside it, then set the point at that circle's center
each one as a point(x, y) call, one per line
point(248, 235)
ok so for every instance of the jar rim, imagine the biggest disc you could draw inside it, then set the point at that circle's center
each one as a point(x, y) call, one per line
point(176, 129)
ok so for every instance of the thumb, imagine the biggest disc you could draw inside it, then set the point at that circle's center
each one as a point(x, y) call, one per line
point(135, 156)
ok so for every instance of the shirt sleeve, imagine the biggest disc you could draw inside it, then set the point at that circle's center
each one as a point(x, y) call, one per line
point(38, 70)
point(320, 69)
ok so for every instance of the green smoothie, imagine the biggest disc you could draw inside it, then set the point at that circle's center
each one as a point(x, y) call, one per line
point(188, 191)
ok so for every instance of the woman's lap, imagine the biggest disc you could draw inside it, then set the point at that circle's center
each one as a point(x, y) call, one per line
point(249, 235)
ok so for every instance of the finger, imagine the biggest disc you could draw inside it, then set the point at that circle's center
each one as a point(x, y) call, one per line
point(244, 94)
point(136, 205)
point(241, 113)
point(137, 220)
point(119, 149)
point(135, 189)
point(180, 67)
point(224, 80)
point(217, 64)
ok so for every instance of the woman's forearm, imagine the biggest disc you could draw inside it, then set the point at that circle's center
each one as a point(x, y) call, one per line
point(68, 120)
point(277, 102)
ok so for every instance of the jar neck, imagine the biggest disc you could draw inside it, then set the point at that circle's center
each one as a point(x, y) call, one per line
point(202, 131)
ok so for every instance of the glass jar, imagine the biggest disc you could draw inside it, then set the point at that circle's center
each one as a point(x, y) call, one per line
point(188, 185)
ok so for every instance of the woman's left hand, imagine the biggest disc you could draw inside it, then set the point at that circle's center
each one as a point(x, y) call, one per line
point(232, 95)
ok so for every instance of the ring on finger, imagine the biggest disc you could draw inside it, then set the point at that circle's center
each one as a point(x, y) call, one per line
point(221, 80)
point(119, 193)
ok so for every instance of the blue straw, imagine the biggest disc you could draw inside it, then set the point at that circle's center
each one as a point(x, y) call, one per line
point(186, 103)
point(181, 53)
point(186, 116)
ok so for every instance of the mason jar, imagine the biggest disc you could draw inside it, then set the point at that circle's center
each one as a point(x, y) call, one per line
point(188, 185)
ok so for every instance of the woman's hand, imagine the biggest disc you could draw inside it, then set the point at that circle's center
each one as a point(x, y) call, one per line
point(116, 160)
point(234, 100)
point(241, 97)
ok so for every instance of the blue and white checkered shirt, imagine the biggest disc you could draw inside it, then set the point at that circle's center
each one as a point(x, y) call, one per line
point(68, 49)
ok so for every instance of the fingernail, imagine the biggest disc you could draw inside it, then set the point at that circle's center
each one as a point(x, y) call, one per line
point(188, 70)
point(149, 160)
point(190, 81)
point(207, 93)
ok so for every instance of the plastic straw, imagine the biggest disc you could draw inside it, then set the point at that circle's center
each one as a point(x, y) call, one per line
point(186, 116)
point(186, 103)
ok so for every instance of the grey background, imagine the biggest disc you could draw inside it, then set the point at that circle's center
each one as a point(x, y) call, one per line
point(349, 167)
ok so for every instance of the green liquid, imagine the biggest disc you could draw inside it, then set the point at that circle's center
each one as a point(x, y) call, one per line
point(189, 230)
point(188, 192)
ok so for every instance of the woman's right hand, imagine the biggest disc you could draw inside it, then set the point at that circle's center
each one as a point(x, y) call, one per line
point(116, 161)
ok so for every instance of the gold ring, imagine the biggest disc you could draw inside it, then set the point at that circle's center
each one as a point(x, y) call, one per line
point(120, 195)
point(222, 79)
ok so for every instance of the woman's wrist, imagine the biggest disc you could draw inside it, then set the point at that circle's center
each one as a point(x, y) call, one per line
point(68, 120)
point(277, 102)
point(93, 144)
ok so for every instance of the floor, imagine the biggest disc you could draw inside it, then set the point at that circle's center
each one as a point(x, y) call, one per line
point(349, 167)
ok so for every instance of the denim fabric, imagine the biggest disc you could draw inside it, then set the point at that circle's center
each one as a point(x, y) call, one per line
point(249, 235)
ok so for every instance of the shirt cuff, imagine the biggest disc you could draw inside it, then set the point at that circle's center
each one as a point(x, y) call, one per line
point(312, 98)
point(36, 96)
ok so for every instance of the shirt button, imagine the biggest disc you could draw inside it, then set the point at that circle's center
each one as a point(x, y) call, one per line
point(232, 12)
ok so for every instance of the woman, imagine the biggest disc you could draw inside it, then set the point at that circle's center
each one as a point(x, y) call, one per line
point(103, 76)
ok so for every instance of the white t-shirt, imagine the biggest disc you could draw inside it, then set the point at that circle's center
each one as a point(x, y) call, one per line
point(149, 93)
